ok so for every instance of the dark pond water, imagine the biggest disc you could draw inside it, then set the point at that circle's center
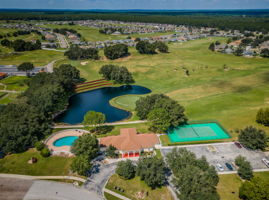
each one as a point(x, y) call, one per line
point(98, 100)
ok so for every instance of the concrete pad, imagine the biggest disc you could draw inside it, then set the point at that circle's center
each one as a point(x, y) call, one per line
point(13, 188)
point(44, 190)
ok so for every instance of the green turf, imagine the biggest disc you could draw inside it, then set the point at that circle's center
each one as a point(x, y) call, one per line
point(210, 92)
point(197, 132)
point(110, 197)
point(37, 57)
point(17, 83)
point(17, 164)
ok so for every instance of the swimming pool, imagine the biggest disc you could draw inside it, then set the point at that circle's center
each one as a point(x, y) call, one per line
point(65, 141)
point(197, 132)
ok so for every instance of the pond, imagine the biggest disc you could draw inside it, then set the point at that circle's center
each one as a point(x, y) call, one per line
point(98, 100)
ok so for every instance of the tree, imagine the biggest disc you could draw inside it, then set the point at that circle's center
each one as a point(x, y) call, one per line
point(265, 53)
point(175, 112)
point(212, 47)
point(111, 152)
point(161, 46)
point(256, 189)
point(152, 171)
point(239, 51)
point(144, 47)
point(253, 138)
point(6, 43)
point(26, 67)
point(81, 165)
point(194, 178)
point(86, 145)
point(262, 116)
point(118, 74)
point(116, 51)
point(217, 43)
point(159, 120)
point(126, 169)
point(94, 119)
point(22, 125)
point(77, 53)
point(245, 169)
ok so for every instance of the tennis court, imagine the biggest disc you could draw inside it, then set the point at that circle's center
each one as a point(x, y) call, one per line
point(197, 132)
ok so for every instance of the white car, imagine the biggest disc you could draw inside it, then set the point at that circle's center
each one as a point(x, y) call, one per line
point(220, 168)
point(265, 161)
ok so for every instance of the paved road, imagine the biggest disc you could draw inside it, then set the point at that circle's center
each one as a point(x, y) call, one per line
point(97, 181)
point(107, 124)
point(26, 177)
point(62, 41)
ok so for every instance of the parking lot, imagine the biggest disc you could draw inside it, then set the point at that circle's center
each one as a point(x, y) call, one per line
point(225, 153)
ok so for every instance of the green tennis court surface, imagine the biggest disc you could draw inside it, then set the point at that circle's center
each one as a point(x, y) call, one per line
point(197, 132)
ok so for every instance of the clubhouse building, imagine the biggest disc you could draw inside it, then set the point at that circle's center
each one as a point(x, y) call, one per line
point(130, 143)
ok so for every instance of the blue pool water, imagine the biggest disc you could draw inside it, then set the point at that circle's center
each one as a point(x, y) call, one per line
point(98, 100)
point(65, 141)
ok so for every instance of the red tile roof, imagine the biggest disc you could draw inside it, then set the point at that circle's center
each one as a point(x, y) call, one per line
point(130, 140)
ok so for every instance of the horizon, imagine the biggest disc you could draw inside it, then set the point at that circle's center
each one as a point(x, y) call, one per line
point(136, 4)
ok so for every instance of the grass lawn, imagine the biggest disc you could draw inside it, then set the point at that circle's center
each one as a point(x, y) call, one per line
point(110, 197)
point(231, 96)
point(134, 186)
point(228, 187)
point(37, 57)
point(17, 164)
point(17, 83)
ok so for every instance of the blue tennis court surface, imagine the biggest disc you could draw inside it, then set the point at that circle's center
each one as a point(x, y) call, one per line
point(197, 132)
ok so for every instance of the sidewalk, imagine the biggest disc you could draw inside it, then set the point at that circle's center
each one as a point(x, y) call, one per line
point(116, 194)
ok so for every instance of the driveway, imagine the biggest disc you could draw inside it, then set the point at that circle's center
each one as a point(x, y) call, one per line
point(97, 181)
point(225, 152)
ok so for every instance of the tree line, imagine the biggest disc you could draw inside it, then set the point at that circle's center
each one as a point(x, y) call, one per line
point(29, 120)
point(21, 45)
point(223, 20)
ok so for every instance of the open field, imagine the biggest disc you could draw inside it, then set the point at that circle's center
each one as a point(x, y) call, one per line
point(133, 186)
point(17, 164)
point(228, 187)
point(232, 96)
point(37, 57)
point(16, 83)
point(110, 197)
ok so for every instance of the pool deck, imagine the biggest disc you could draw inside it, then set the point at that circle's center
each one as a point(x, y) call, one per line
point(60, 134)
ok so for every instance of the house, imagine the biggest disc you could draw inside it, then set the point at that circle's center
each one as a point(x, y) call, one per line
point(3, 75)
point(130, 143)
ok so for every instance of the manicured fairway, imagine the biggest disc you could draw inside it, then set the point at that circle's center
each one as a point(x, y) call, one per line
point(231, 96)
point(197, 132)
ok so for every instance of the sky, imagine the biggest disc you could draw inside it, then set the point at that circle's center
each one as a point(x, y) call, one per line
point(135, 4)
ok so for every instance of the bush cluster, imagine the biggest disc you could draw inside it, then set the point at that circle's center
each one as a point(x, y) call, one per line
point(21, 45)
point(77, 53)
point(116, 51)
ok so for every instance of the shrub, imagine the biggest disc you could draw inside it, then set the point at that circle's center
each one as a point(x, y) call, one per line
point(45, 152)
point(125, 169)
point(262, 116)
point(39, 146)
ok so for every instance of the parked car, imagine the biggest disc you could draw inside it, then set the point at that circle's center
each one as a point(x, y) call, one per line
point(265, 161)
point(229, 166)
point(238, 145)
point(220, 168)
